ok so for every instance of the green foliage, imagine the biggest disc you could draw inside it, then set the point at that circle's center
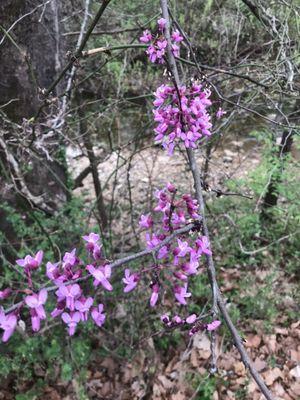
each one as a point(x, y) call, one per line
point(204, 385)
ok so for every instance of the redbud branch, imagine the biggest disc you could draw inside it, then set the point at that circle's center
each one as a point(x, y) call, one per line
point(216, 294)
point(118, 263)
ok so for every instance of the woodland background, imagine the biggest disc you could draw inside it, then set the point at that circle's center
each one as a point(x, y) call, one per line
point(81, 157)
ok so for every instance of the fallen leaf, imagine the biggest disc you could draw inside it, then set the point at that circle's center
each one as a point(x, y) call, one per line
point(295, 390)
point(295, 372)
point(270, 341)
point(281, 331)
point(295, 355)
point(272, 375)
point(239, 369)
point(259, 364)
point(253, 341)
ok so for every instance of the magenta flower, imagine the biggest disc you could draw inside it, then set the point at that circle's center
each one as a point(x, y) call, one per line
point(70, 259)
point(98, 315)
point(130, 281)
point(97, 252)
point(29, 262)
point(177, 320)
point(213, 325)
point(36, 302)
point(191, 319)
point(8, 323)
point(146, 221)
point(69, 294)
point(61, 305)
point(154, 295)
point(146, 37)
point(180, 275)
point(53, 273)
point(181, 293)
point(203, 246)
point(165, 318)
point(101, 275)
point(152, 241)
point(220, 113)
point(4, 294)
point(71, 320)
point(183, 248)
point(83, 306)
point(190, 267)
point(178, 218)
point(176, 36)
point(175, 50)
point(161, 24)
point(187, 121)
point(163, 252)
point(91, 240)
point(171, 188)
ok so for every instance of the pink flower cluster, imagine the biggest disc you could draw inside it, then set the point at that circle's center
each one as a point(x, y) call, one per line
point(158, 44)
point(192, 319)
point(176, 261)
point(181, 115)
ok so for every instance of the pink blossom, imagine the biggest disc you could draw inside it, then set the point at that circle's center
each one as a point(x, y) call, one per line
point(190, 267)
point(154, 295)
point(165, 318)
point(71, 320)
point(83, 305)
point(70, 294)
point(177, 320)
point(181, 293)
point(175, 50)
point(8, 323)
point(213, 325)
point(161, 24)
point(152, 241)
point(29, 262)
point(146, 221)
point(176, 36)
point(191, 319)
point(70, 259)
point(183, 248)
point(98, 315)
point(186, 120)
point(171, 188)
point(163, 252)
point(61, 305)
point(97, 252)
point(53, 273)
point(36, 302)
point(101, 275)
point(181, 276)
point(130, 280)
point(91, 240)
point(203, 246)
point(146, 37)
point(4, 294)
point(220, 113)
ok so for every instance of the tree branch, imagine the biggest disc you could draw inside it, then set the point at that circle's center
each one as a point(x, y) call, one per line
point(216, 294)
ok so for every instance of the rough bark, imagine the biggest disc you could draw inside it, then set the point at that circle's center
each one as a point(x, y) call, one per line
point(31, 51)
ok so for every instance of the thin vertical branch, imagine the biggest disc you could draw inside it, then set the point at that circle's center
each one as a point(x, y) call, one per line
point(216, 294)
